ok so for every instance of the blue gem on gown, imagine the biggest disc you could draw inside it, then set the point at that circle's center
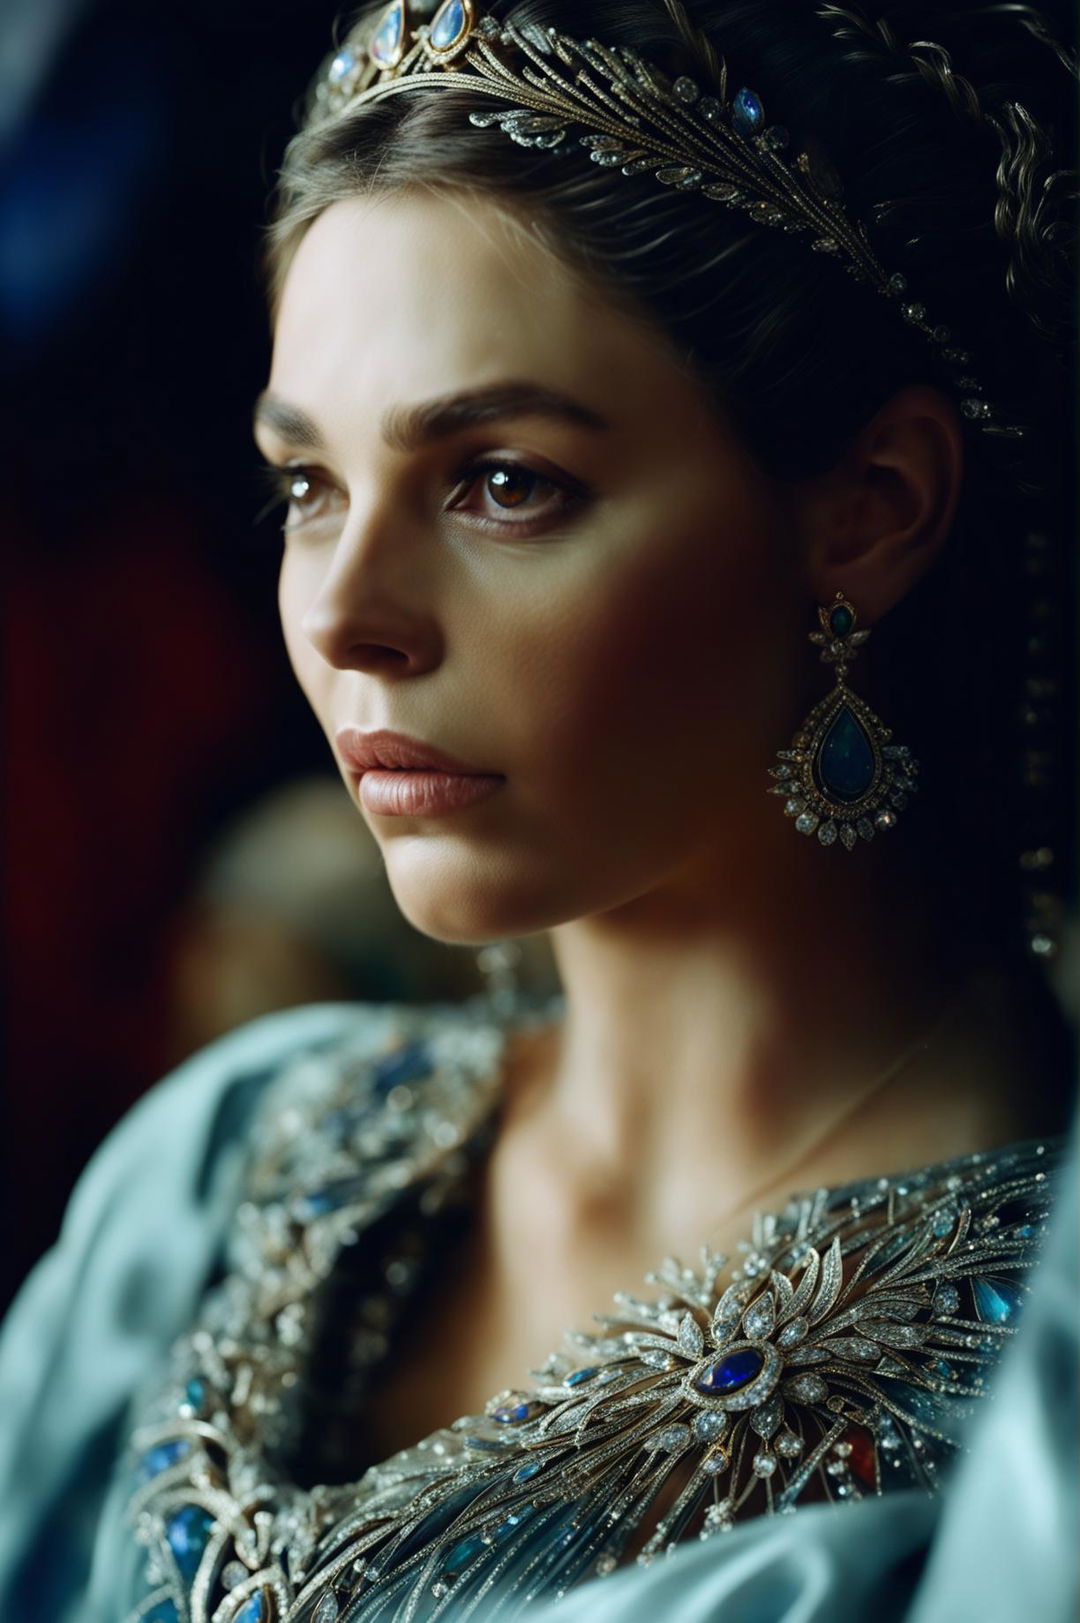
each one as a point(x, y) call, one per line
point(406, 1064)
point(944, 1412)
point(160, 1457)
point(195, 1395)
point(253, 1609)
point(386, 41)
point(484, 1445)
point(747, 113)
point(462, 1554)
point(578, 1376)
point(448, 25)
point(564, 1538)
point(845, 763)
point(732, 1372)
point(164, 1612)
point(188, 1532)
point(511, 1414)
point(316, 1204)
point(995, 1301)
point(513, 1521)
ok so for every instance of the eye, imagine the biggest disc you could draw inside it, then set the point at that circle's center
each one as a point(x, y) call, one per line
point(494, 491)
point(512, 487)
point(308, 494)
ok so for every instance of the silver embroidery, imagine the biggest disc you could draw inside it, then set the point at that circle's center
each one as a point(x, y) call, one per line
point(841, 1357)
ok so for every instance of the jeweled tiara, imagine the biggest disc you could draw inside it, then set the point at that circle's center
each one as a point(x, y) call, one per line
point(634, 118)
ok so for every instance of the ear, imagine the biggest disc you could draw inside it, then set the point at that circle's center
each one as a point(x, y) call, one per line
point(875, 522)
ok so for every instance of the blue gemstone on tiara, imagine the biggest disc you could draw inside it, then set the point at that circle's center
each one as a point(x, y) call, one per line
point(747, 113)
point(389, 36)
point(449, 25)
point(342, 65)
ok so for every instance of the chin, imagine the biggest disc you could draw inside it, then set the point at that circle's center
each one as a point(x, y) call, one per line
point(466, 897)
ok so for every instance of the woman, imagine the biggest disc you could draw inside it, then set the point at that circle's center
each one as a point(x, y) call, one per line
point(580, 439)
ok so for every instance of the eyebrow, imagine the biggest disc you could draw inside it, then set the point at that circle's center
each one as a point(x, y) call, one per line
point(408, 428)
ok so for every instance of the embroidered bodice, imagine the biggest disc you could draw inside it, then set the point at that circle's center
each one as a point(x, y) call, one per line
point(838, 1358)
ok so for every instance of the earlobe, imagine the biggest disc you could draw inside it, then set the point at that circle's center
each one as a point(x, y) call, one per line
point(882, 516)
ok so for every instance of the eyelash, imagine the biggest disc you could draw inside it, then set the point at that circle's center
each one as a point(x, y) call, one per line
point(279, 479)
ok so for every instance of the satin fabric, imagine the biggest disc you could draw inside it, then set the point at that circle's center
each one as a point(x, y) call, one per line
point(141, 1240)
point(139, 1243)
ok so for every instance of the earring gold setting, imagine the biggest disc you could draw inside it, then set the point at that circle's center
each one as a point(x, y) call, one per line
point(843, 778)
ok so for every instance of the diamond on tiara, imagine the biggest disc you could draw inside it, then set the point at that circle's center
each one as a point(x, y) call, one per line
point(387, 44)
point(450, 29)
point(636, 119)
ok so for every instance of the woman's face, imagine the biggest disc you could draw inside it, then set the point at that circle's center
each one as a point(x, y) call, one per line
point(521, 536)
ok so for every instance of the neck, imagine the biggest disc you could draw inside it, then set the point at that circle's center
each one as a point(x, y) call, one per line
point(732, 1034)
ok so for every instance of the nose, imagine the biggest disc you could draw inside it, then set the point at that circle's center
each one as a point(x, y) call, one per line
point(368, 614)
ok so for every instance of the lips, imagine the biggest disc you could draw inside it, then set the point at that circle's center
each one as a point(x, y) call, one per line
point(388, 751)
point(424, 794)
point(401, 776)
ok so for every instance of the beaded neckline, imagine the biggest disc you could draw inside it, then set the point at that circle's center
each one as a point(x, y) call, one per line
point(839, 1358)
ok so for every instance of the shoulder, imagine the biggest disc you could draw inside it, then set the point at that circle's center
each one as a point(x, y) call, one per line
point(171, 1156)
point(174, 1151)
point(150, 1211)
point(141, 1237)
point(179, 1155)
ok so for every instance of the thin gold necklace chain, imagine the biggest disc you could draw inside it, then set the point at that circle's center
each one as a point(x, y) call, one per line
point(851, 1107)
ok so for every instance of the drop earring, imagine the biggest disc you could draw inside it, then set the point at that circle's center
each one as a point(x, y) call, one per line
point(843, 779)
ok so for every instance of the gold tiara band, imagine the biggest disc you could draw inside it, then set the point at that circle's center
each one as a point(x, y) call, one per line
point(634, 118)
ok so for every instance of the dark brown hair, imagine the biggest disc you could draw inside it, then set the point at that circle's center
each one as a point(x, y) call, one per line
point(979, 218)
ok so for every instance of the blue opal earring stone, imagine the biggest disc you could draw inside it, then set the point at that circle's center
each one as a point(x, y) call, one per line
point(843, 779)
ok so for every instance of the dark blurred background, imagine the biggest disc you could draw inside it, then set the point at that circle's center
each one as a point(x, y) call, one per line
point(179, 855)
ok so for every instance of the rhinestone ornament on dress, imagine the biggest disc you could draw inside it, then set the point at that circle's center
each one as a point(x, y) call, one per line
point(841, 1357)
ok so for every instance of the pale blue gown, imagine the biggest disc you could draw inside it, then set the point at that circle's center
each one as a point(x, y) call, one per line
point(143, 1236)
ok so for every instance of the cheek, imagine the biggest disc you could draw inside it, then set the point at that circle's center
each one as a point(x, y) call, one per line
point(655, 690)
point(661, 668)
point(295, 592)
